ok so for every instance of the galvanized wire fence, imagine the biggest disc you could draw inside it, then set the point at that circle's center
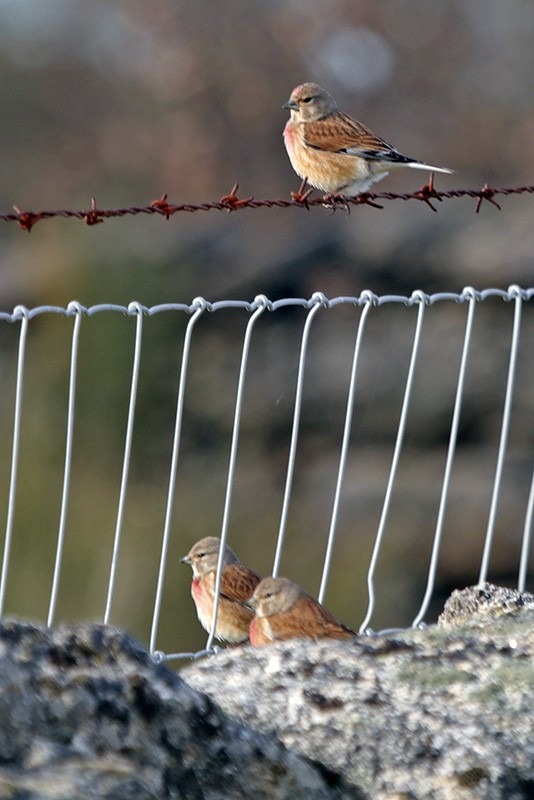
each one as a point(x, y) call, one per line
point(364, 307)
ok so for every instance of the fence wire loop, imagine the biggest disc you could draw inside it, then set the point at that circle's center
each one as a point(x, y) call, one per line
point(418, 297)
point(261, 301)
point(75, 309)
point(200, 304)
point(368, 298)
point(135, 308)
point(19, 313)
point(469, 293)
point(232, 466)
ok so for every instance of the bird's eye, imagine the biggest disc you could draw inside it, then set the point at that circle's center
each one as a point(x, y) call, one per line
point(201, 555)
point(307, 99)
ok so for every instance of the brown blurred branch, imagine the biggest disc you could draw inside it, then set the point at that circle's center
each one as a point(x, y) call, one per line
point(231, 202)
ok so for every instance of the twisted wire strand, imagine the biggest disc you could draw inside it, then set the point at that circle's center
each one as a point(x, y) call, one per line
point(26, 219)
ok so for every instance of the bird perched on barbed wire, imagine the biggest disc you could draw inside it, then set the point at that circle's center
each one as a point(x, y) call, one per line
point(333, 152)
point(237, 584)
point(285, 611)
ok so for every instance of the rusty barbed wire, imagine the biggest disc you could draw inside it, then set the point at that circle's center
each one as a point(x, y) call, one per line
point(231, 202)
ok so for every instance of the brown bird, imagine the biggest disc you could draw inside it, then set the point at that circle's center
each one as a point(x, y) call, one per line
point(237, 584)
point(285, 611)
point(334, 152)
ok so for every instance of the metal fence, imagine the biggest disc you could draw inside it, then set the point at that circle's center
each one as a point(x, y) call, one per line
point(516, 302)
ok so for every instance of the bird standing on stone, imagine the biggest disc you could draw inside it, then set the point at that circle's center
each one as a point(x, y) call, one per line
point(285, 611)
point(237, 584)
point(333, 152)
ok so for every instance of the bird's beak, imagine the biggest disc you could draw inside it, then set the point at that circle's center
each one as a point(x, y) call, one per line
point(251, 603)
point(185, 560)
point(291, 105)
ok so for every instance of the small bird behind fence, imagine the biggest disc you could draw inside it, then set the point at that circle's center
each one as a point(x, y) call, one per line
point(237, 585)
point(285, 611)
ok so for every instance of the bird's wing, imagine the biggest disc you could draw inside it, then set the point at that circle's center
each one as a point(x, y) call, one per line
point(313, 620)
point(238, 582)
point(340, 133)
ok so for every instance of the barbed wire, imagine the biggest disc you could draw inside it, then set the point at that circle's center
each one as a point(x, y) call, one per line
point(231, 202)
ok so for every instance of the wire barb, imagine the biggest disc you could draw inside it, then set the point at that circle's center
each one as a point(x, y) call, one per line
point(427, 191)
point(487, 193)
point(300, 197)
point(93, 216)
point(161, 206)
point(25, 219)
point(232, 202)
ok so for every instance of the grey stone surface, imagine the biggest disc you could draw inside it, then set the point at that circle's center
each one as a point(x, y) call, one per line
point(443, 713)
point(85, 713)
point(482, 604)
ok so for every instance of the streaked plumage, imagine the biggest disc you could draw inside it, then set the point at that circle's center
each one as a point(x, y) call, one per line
point(237, 584)
point(285, 611)
point(333, 152)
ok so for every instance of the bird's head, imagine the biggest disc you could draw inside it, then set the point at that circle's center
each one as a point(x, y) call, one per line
point(309, 103)
point(204, 555)
point(274, 596)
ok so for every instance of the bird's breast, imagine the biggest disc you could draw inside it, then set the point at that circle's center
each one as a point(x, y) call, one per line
point(290, 136)
point(254, 634)
point(260, 632)
point(196, 588)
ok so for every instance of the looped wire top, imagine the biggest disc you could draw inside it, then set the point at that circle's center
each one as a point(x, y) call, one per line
point(369, 297)
point(75, 308)
point(20, 312)
point(418, 296)
point(318, 298)
point(135, 308)
point(200, 303)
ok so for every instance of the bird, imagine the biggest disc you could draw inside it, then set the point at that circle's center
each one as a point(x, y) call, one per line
point(285, 611)
point(333, 152)
point(237, 585)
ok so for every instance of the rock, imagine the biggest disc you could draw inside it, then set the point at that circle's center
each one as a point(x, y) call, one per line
point(442, 713)
point(85, 713)
point(482, 604)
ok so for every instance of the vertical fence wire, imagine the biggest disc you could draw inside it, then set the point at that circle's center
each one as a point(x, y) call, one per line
point(21, 312)
point(344, 448)
point(201, 306)
point(525, 544)
point(262, 302)
point(453, 437)
point(420, 299)
point(514, 291)
point(137, 309)
point(77, 310)
point(318, 301)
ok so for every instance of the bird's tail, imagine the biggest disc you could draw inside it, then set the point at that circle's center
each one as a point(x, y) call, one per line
point(428, 167)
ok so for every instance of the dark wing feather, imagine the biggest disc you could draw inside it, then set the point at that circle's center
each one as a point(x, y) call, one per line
point(316, 621)
point(340, 133)
point(238, 582)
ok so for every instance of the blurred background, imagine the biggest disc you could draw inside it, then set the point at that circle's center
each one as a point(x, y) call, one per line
point(127, 101)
